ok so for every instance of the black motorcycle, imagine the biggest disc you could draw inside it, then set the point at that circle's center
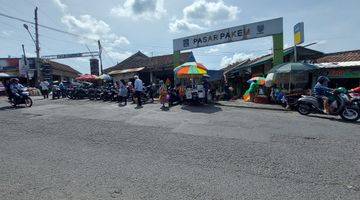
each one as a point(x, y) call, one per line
point(174, 97)
point(340, 104)
point(70, 93)
point(23, 98)
point(92, 93)
point(56, 93)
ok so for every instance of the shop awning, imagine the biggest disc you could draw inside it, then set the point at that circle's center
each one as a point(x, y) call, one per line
point(125, 71)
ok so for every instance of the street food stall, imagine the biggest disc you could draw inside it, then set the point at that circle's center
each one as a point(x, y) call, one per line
point(190, 76)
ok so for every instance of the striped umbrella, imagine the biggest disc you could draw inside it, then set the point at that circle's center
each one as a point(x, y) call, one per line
point(190, 69)
point(260, 80)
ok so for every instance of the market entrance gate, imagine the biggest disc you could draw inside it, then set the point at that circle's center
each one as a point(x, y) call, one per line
point(273, 27)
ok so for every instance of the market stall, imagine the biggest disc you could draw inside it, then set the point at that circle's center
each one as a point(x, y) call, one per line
point(190, 75)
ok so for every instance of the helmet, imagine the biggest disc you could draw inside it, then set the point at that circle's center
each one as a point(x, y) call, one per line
point(323, 79)
point(14, 80)
point(341, 90)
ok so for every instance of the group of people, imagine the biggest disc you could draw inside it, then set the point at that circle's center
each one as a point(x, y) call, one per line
point(167, 94)
point(135, 91)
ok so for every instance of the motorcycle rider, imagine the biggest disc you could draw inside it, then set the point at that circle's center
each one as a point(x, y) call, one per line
point(15, 87)
point(62, 89)
point(321, 90)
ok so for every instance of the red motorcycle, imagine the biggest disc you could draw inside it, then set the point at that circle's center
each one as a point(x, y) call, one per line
point(355, 95)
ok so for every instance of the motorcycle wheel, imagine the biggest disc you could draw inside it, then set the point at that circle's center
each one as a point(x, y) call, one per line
point(350, 114)
point(28, 102)
point(12, 103)
point(304, 109)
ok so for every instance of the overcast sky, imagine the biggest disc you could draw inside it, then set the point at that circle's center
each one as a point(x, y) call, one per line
point(127, 26)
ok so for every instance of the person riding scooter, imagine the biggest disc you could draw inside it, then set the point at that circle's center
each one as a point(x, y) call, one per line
point(322, 91)
point(15, 87)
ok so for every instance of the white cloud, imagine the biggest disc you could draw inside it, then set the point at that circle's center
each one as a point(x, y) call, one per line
point(119, 56)
point(92, 29)
point(210, 12)
point(61, 5)
point(204, 12)
point(86, 25)
point(180, 25)
point(140, 9)
point(225, 61)
point(212, 50)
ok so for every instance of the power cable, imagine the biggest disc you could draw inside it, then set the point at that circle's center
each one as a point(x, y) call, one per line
point(112, 60)
point(44, 26)
point(41, 11)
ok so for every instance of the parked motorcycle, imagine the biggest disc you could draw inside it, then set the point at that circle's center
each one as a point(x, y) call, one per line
point(70, 93)
point(355, 95)
point(56, 93)
point(23, 98)
point(92, 93)
point(174, 98)
point(146, 95)
point(340, 104)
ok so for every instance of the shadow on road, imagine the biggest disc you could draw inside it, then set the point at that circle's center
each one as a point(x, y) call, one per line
point(209, 109)
point(10, 108)
point(331, 118)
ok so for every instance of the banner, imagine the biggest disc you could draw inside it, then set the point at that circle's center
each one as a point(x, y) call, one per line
point(233, 34)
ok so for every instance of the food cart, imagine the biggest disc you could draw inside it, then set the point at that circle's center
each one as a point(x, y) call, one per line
point(190, 76)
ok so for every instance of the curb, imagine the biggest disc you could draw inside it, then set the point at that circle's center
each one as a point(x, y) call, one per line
point(250, 107)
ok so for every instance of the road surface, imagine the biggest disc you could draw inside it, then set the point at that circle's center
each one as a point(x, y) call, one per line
point(68, 149)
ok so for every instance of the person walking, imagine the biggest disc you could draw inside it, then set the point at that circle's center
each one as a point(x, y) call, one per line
point(163, 91)
point(152, 89)
point(139, 88)
point(44, 85)
point(130, 89)
point(123, 93)
point(62, 89)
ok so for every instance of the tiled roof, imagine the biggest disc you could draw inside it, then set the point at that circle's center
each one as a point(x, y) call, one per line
point(62, 67)
point(234, 65)
point(140, 60)
point(344, 56)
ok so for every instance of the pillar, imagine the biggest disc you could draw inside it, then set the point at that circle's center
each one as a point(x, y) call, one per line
point(278, 49)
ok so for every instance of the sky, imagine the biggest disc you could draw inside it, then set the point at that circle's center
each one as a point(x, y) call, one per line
point(127, 26)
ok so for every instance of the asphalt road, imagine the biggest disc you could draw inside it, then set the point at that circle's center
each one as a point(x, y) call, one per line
point(67, 149)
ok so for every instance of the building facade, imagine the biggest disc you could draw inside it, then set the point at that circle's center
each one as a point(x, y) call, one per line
point(343, 68)
point(150, 69)
point(26, 70)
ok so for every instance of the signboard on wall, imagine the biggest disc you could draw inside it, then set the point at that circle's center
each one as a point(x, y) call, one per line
point(233, 34)
point(94, 66)
point(47, 72)
point(9, 64)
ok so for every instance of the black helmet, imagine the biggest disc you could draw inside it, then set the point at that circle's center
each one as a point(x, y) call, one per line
point(323, 79)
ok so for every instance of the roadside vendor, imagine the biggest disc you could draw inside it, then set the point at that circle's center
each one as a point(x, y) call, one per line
point(181, 91)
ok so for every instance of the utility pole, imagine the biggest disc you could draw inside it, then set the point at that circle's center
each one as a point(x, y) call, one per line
point(23, 48)
point(25, 63)
point(100, 52)
point(37, 46)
